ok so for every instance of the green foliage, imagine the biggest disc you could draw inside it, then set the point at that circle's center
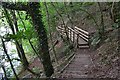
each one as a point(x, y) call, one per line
point(52, 15)
point(95, 40)
point(28, 49)
point(115, 26)
point(9, 71)
point(37, 69)
point(28, 34)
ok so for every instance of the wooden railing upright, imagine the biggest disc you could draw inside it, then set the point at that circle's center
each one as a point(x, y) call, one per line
point(77, 36)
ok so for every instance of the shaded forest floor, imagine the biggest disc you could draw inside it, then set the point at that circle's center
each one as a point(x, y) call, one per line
point(63, 56)
point(106, 58)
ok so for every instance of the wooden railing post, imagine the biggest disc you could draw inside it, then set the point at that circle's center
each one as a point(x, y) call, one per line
point(70, 35)
point(73, 37)
point(75, 34)
point(77, 39)
point(89, 40)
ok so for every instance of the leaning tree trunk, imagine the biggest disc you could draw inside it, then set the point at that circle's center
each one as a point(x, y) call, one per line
point(19, 47)
point(12, 67)
point(28, 39)
point(21, 50)
point(25, 65)
point(34, 11)
point(65, 26)
point(102, 26)
point(3, 68)
point(49, 27)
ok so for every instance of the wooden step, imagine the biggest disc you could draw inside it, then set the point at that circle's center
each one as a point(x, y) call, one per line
point(84, 47)
point(86, 44)
point(73, 75)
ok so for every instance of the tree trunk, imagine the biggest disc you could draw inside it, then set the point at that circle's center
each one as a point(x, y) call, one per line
point(71, 6)
point(68, 15)
point(3, 44)
point(50, 32)
point(24, 59)
point(19, 47)
point(34, 11)
point(102, 26)
point(3, 68)
point(28, 39)
point(63, 23)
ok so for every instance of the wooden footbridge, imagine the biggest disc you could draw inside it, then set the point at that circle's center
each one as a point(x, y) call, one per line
point(76, 35)
point(77, 67)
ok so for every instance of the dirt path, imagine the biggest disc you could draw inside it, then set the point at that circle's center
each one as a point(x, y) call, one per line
point(78, 66)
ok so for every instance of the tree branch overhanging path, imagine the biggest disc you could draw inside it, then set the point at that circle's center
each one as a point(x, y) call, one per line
point(40, 29)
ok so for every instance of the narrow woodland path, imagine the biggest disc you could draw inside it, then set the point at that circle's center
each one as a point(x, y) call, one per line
point(79, 65)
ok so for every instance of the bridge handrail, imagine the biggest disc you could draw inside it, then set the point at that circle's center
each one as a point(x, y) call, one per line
point(79, 32)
